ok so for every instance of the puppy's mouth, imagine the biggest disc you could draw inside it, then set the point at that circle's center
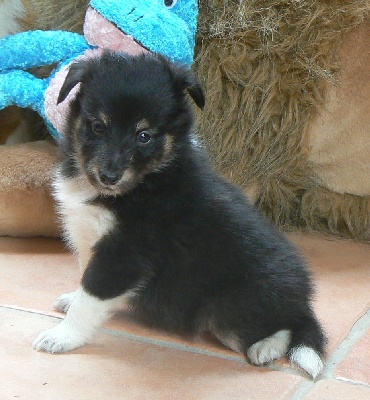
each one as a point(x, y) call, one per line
point(103, 33)
point(114, 187)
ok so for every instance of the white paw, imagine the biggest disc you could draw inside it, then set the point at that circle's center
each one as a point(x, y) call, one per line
point(308, 360)
point(63, 302)
point(270, 348)
point(59, 339)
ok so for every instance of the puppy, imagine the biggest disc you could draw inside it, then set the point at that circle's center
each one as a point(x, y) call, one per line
point(154, 225)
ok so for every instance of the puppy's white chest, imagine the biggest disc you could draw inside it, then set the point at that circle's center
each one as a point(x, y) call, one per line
point(84, 223)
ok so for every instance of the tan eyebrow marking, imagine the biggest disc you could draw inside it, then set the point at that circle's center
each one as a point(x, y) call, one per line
point(104, 118)
point(142, 125)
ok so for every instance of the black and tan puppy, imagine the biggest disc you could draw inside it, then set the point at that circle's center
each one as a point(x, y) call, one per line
point(154, 225)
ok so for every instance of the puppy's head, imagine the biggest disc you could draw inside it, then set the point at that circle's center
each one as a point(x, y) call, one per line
point(129, 118)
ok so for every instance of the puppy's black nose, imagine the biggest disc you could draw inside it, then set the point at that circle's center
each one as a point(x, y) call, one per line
point(108, 177)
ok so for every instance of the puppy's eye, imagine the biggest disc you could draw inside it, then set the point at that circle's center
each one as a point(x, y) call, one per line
point(97, 127)
point(144, 137)
point(170, 3)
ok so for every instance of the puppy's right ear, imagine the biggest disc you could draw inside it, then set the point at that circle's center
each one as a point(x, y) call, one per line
point(75, 75)
point(196, 93)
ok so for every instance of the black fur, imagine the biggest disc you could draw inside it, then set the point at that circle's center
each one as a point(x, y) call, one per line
point(198, 255)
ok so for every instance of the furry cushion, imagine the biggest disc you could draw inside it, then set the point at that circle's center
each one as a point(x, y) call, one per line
point(288, 107)
point(26, 206)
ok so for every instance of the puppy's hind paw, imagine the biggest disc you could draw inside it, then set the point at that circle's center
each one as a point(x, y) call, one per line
point(270, 348)
point(63, 302)
point(59, 339)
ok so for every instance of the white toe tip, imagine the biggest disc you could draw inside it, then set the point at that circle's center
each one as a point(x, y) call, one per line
point(307, 359)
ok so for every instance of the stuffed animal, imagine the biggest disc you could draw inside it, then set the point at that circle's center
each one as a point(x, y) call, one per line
point(287, 114)
point(161, 26)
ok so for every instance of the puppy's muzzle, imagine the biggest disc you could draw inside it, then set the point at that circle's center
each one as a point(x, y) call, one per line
point(109, 178)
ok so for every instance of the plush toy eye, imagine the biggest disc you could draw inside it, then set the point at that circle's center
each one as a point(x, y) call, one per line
point(170, 3)
point(97, 127)
point(144, 137)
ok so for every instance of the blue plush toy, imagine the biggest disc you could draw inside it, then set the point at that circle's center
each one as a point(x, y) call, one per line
point(160, 26)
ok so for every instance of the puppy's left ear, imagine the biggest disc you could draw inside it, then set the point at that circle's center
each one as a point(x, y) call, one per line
point(186, 80)
point(75, 75)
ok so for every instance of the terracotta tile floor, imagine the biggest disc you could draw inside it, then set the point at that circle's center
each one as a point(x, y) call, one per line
point(128, 361)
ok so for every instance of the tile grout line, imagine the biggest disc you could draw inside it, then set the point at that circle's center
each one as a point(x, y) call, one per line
point(351, 382)
point(136, 338)
point(162, 343)
point(171, 345)
point(192, 349)
point(30, 311)
point(303, 390)
point(357, 331)
point(195, 350)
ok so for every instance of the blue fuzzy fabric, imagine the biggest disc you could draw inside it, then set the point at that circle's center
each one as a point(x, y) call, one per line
point(162, 26)
point(27, 89)
point(153, 24)
point(36, 48)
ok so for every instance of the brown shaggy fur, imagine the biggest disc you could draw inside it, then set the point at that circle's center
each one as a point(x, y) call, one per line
point(54, 14)
point(264, 65)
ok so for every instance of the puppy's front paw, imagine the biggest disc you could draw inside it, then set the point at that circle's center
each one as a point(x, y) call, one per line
point(59, 339)
point(63, 302)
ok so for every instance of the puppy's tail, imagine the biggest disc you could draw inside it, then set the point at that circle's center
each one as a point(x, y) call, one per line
point(307, 347)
